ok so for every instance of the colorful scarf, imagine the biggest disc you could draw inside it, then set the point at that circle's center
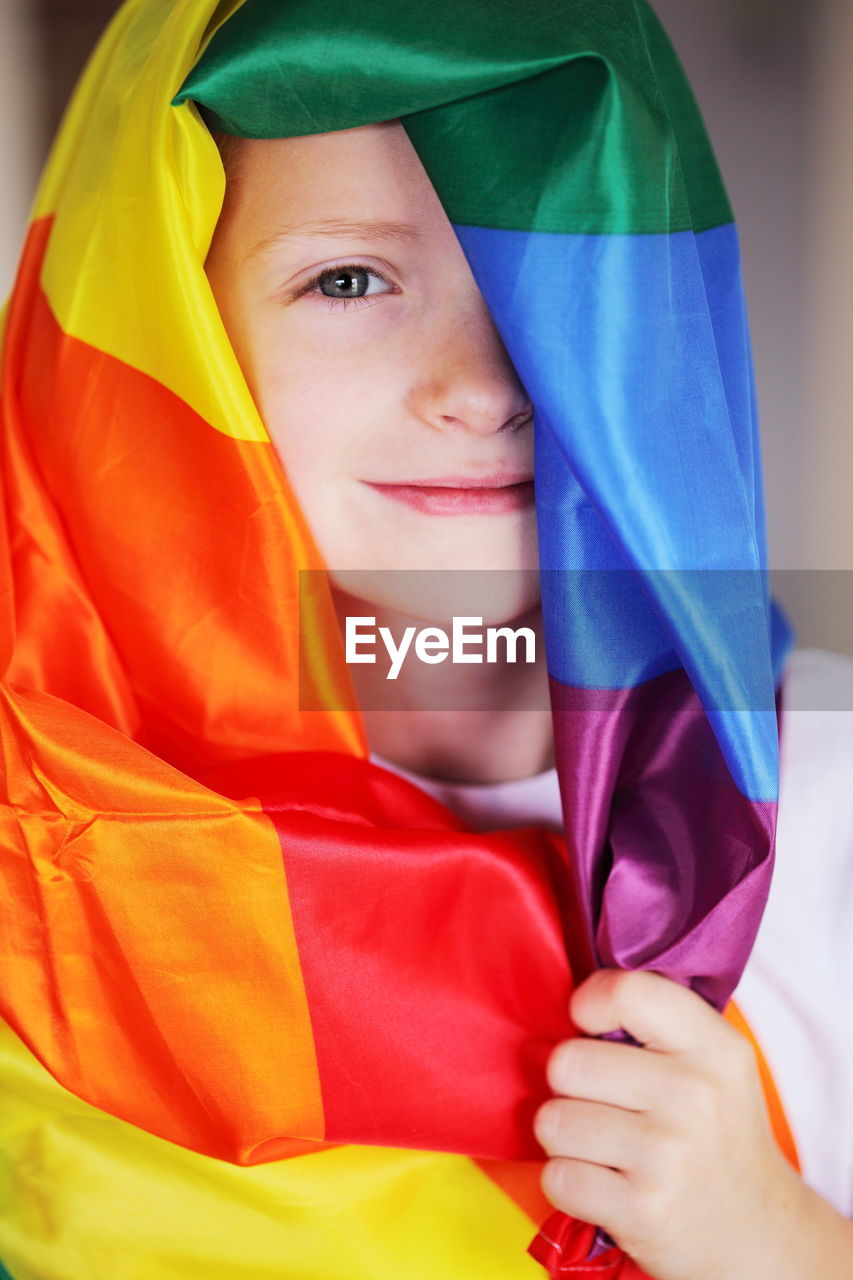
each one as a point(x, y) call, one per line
point(249, 1020)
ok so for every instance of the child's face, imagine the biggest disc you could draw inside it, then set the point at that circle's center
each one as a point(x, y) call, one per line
point(405, 381)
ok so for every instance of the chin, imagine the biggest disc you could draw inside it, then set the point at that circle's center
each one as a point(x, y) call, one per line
point(436, 594)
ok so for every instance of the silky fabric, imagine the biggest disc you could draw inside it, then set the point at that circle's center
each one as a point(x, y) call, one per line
point(618, 296)
point(208, 892)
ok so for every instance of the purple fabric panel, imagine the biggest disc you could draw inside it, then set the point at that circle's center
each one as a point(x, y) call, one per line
point(672, 862)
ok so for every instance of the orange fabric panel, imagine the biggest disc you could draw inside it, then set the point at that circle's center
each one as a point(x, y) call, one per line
point(129, 876)
point(778, 1119)
point(206, 672)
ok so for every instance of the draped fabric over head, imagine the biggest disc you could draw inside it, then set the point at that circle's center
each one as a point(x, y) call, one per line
point(224, 928)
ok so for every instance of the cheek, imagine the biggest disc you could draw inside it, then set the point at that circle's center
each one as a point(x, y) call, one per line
point(324, 419)
point(315, 429)
point(321, 395)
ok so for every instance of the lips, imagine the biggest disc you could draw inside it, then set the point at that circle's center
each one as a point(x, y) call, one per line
point(462, 495)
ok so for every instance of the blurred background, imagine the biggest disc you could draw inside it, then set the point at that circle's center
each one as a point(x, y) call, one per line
point(773, 80)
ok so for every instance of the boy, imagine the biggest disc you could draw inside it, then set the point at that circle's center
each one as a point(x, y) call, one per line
point(265, 1000)
point(361, 399)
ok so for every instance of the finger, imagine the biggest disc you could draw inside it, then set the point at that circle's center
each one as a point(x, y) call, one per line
point(592, 1132)
point(601, 1071)
point(587, 1191)
point(659, 1012)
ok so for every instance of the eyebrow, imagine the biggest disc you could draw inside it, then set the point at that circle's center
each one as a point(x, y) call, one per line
point(381, 229)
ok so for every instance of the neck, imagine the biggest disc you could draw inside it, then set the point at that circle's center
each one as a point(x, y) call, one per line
point(479, 722)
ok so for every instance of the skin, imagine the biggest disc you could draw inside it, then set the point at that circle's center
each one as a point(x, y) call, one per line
point(408, 382)
point(668, 1147)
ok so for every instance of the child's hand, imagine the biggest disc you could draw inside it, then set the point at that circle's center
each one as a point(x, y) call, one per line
point(668, 1147)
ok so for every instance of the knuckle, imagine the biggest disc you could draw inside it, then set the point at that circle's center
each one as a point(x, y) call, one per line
point(615, 988)
point(555, 1184)
point(668, 1155)
point(653, 1210)
point(562, 1072)
point(577, 1190)
point(631, 989)
point(637, 1233)
point(625, 983)
point(699, 1097)
point(547, 1123)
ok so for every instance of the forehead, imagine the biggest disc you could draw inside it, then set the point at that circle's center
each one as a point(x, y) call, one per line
point(369, 174)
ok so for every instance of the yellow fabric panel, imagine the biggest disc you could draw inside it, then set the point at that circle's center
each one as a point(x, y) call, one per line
point(84, 1196)
point(135, 182)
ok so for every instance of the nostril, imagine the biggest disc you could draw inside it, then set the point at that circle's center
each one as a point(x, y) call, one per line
point(518, 421)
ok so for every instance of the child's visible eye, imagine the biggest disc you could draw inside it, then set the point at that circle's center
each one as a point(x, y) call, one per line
point(348, 283)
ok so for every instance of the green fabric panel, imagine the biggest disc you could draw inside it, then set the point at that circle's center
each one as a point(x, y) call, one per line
point(702, 178)
point(532, 115)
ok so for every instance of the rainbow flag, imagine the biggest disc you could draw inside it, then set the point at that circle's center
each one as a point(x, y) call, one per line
point(216, 1051)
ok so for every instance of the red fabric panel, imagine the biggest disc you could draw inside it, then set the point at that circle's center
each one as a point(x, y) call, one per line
point(433, 957)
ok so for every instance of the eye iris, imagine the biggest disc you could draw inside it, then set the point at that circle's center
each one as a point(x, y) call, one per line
point(345, 284)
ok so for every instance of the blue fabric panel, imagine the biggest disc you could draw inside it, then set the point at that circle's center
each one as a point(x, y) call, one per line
point(648, 479)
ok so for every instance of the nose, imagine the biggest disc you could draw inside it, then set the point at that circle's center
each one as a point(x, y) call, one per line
point(468, 382)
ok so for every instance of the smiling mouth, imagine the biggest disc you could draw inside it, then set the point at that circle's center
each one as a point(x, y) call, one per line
point(462, 495)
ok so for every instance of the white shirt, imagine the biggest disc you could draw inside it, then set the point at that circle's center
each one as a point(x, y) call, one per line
point(796, 991)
